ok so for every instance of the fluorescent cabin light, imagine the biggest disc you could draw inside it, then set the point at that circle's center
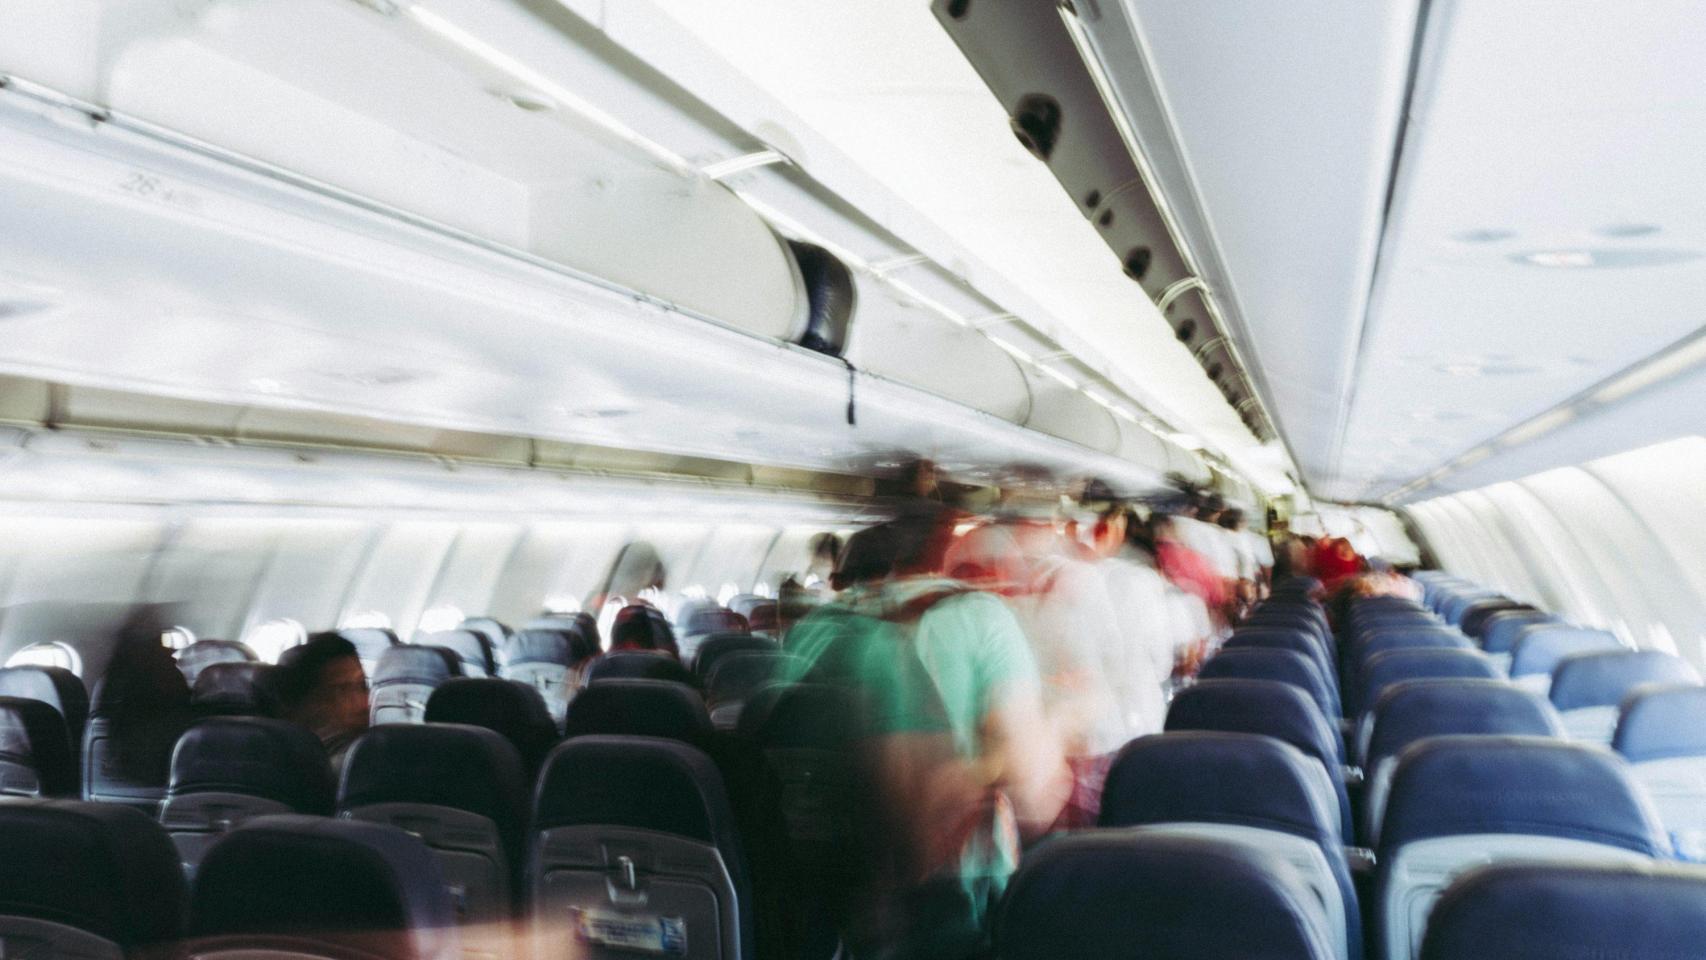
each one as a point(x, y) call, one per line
point(750, 161)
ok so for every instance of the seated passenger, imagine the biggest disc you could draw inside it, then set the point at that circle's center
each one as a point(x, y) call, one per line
point(322, 686)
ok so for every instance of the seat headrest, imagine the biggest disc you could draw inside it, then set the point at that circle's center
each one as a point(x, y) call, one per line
point(1255, 706)
point(57, 687)
point(255, 756)
point(1116, 893)
point(1605, 679)
point(201, 653)
point(1269, 663)
point(800, 715)
point(639, 665)
point(1448, 786)
point(242, 689)
point(719, 645)
point(105, 868)
point(495, 632)
point(640, 626)
point(369, 642)
point(738, 676)
point(1662, 723)
point(1412, 710)
point(706, 620)
point(641, 783)
point(1540, 646)
point(509, 708)
point(1382, 670)
point(547, 645)
point(1475, 615)
point(416, 663)
point(469, 647)
point(1213, 777)
point(1499, 632)
point(33, 735)
point(440, 764)
point(641, 708)
point(1384, 638)
point(325, 880)
point(1570, 910)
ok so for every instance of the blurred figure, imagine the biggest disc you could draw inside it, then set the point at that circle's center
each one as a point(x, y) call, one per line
point(641, 626)
point(1141, 659)
point(145, 698)
point(1334, 562)
point(322, 686)
point(960, 754)
point(1246, 585)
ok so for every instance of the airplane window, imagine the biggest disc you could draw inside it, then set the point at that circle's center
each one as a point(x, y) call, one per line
point(442, 617)
point(177, 638)
point(695, 592)
point(764, 590)
point(273, 637)
point(367, 618)
point(49, 654)
point(725, 593)
point(562, 603)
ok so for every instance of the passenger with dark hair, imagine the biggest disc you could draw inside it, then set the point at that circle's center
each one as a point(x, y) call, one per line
point(144, 697)
point(322, 686)
point(641, 626)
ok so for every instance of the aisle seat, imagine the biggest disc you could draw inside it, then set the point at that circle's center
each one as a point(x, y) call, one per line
point(241, 689)
point(1265, 663)
point(200, 655)
point(644, 708)
point(405, 677)
point(1382, 670)
point(509, 708)
point(639, 665)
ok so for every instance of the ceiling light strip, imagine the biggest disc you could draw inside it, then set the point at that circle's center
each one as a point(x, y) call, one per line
point(748, 161)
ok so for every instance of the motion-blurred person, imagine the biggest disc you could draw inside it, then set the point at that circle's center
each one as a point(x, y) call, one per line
point(1335, 561)
point(960, 754)
point(322, 686)
point(1141, 660)
point(144, 697)
point(1246, 585)
point(641, 626)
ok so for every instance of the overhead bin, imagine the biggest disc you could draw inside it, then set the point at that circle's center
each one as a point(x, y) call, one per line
point(1063, 412)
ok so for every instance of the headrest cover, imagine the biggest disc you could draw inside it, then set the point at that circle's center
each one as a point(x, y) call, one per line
point(1415, 709)
point(1255, 706)
point(1541, 645)
point(1499, 633)
point(512, 709)
point(1564, 910)
point(1124, 894)
point(33, 735)
point(325, 880)
point(255, 756)
point(1446, 786)
point(469, 647)
point(55, 686)
point(1663, 723)
point(105, 868)
point(638, 665)
point(1210, 777)
point(439, 764)
point(641, 708)
point(414, 663)
point(1605, 679)
point(236, 688)
point(643, 783)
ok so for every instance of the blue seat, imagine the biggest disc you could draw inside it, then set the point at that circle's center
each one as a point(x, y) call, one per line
point(1459, 801)
point(1244, 788)
point(55, 686)
point(1662, 733)
point(1287, 638)
point(1273, 709)
point(643, 708)
point(1267, 663)
point(405, 677)
point(1540, 647)
point(196, 657)
point(1570, 910)
point(1475, 615)
point(227, 770)
point(495, 632)
point(639, 665)
point(510, 708)
point(370, 644)
point(86, 880)
point(241, 689)
point(632, 832)
point(543, 658)
point(35, 750)
point(320, 887)
point(476, 657)
point(1386, 638)
point(462, 791)
point(1417, 663)
point(1588, 688)
point(707, 618)
point(1414, 710)
point(1117, 893)
point(1499, 633)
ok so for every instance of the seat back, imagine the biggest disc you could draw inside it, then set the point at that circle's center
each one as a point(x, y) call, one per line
point(1383, 670)
point(708, 619)
point(1662, 733)
point(1500, 631)
point(1270, 708)
point(1414, 710)
point(1119, 893)
point(1459, 802)
point(639, 665)
point(370, 644)
point(736, 679)
point(35, 751)
point(461, 790)
point(1246, 788)
point(1476, 615)
point(543, 658)
point(1286, 638)
point(86, 880)
point(240, 689)
point(127, 745)
point(472, 653)
point(495, 633)
point(198, 656)
point(405, 677)
point(57, 687)
point(1588, 688)
point(634, 848)
point(227, 770)
point(719, 645)
point(641, 708)
point(1540, 646)
point(1570, 910)
point(1387, 638)
point(316, 887)
point(509, 708)
point(1266, 663)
